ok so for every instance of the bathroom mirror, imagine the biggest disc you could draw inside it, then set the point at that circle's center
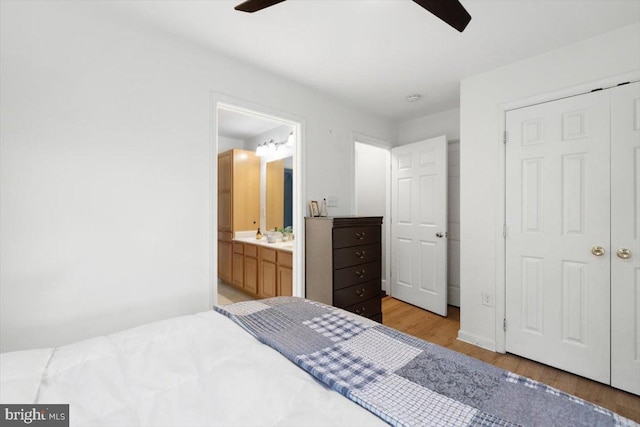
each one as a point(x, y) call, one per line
point(279, 193)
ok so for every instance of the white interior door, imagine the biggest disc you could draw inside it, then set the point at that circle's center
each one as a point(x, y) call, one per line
point(625, 237)
point(558, 234)
point(418, 224)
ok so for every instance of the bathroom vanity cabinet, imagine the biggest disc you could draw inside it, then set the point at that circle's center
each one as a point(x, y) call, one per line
point(261, 271)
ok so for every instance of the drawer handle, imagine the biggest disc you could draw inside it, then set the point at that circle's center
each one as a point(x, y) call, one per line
point(360, 273)
point(360, 236)
point(361, 254)
point(361, 292)
point(360, 311)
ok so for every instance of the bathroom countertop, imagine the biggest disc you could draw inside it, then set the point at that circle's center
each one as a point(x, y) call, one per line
point(279, 244)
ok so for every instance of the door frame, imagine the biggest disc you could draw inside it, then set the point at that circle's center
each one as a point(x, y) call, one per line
point(501, 120)
point(375, 142)
point(219, 100)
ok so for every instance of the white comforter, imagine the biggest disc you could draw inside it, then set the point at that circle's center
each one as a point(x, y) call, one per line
point(200, 370)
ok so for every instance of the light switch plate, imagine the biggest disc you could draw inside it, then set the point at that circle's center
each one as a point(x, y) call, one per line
point(332, 201)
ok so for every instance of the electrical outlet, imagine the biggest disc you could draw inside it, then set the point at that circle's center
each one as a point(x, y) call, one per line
point(332, 201)
point(487, 299)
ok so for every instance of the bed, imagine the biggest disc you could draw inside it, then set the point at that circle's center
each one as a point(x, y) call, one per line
point(283, 361)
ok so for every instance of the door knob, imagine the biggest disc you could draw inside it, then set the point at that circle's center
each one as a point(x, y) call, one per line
point(438, 234)
point(623, 253)
point(597, 250)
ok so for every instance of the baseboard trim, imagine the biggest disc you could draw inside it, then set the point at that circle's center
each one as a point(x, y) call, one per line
point(476, 340)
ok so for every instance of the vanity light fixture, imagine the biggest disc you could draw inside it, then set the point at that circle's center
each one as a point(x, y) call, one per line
point(272, 146)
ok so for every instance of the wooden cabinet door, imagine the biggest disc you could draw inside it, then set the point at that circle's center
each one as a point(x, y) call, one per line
point(225, 252)
point(269, 276)
point(225, 186)
point(224, 212)
point(285, 281)
point(251, 274)
point(246, 191)
point(238, 269)
point(225, 171)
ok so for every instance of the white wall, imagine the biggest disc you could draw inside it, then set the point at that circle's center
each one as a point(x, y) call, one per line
point(373, 176)
point(444, 123)
point(226, 144)
point(104, 168)
point(482, 124)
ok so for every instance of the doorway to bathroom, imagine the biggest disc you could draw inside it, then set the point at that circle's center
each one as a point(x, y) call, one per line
point(256, 191)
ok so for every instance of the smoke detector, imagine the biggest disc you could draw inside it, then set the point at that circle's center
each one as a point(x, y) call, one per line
point(414, 97)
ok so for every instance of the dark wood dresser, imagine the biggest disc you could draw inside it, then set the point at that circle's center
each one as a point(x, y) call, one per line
point(343, 263)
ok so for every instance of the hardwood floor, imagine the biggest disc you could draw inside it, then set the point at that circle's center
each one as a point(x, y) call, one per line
point(444, 331)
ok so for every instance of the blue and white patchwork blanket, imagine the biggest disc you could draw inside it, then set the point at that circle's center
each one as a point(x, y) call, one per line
point(402, 379)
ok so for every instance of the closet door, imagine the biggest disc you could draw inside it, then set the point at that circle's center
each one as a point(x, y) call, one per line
point(625, 237)
point(558, 234)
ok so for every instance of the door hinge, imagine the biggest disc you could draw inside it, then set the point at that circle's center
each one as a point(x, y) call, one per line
point(504, 231)
point(504, 325)
point(504, 137)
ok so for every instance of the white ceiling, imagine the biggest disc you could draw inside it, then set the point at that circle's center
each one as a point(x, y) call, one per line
point(236, 125)
point(372, 54)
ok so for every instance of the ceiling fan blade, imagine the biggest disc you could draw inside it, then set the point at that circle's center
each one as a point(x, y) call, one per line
point(450, 11)
point(256, 5)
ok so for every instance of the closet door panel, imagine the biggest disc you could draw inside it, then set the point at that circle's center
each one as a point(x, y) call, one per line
point(625, 237)
point(557, 199)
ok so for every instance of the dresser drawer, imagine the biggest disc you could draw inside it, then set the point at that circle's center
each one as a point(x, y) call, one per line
point(355, 236)
point(357, 293)
point(355, 255)
point(349, 276)
point(377, 317)
point(371, 308)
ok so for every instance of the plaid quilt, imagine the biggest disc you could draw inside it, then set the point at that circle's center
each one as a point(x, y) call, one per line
point(402, 379)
